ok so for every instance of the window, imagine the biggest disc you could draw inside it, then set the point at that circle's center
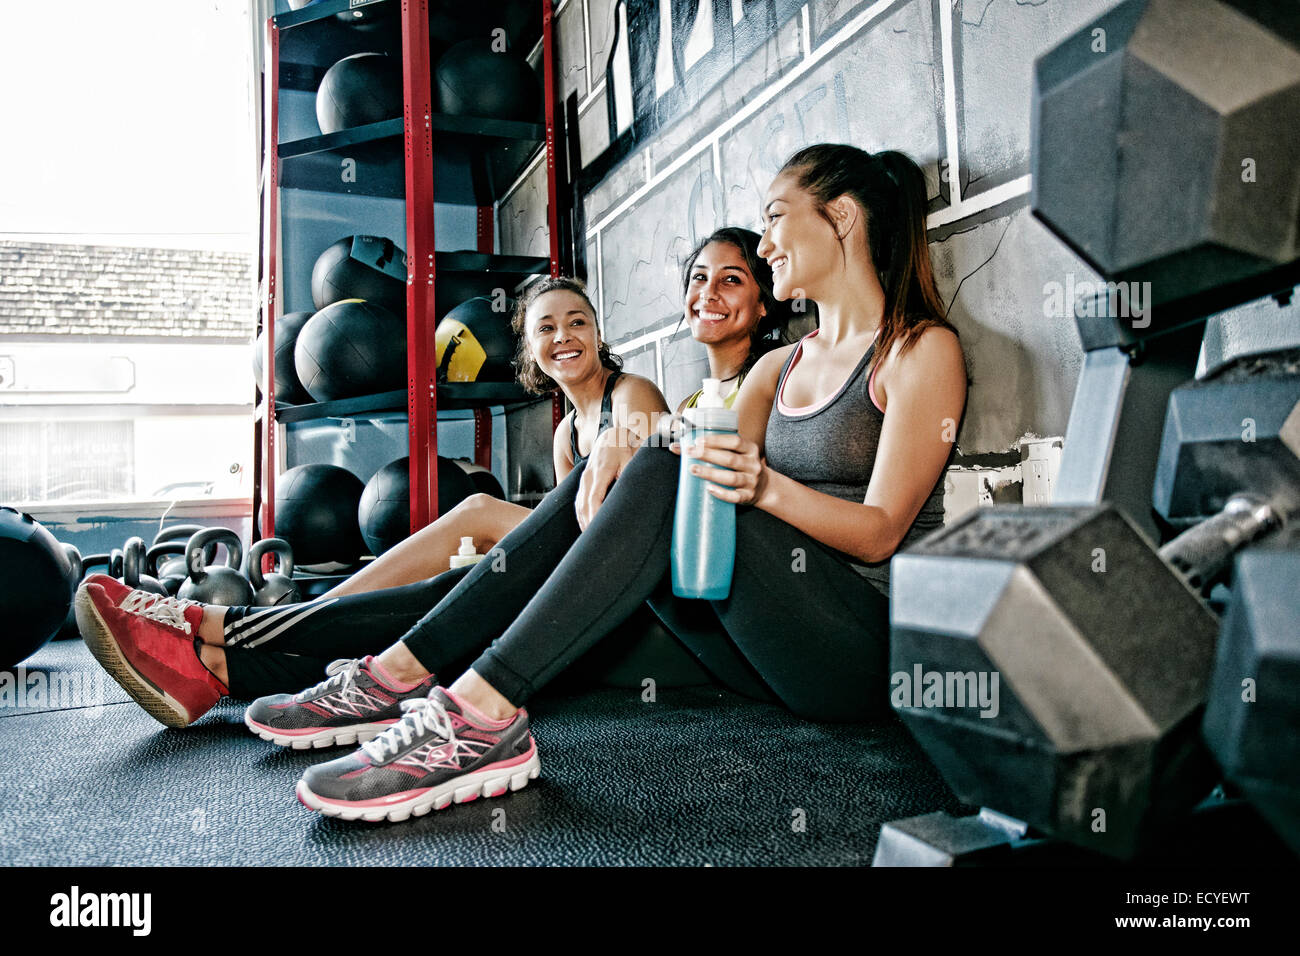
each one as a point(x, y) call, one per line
point(127, 256)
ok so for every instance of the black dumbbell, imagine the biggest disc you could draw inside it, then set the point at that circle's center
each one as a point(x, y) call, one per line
point(1098, 646)
point(1253, 714)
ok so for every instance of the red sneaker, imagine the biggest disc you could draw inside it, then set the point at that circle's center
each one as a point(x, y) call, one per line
point(134, 598)
point(147, 646)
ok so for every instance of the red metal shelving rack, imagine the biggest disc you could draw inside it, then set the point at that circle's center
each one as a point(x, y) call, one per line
point(419, 154)
point(422, 384)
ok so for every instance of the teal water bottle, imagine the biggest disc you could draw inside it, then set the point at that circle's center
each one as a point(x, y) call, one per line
point(704, 527)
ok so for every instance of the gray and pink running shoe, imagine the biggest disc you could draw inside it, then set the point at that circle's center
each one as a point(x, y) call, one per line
point(356, 702)
point(442, 752)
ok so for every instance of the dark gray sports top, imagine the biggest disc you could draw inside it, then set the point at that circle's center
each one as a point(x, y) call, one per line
point(606, 418)
point(831, 447)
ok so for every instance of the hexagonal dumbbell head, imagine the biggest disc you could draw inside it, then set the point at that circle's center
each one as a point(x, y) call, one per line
point(1252, 720)
point(1054, 669)
point(1237, 429)
point(1164, 144)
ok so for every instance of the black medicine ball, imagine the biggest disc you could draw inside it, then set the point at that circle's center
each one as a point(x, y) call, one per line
point(385, 510)
point(287, 387)
point(361, 267)
point(473, 80)
point(359, 89)
point(36, 586)
point(475, 343)
point(351, 348)
point(316, 512)
point(485, 483)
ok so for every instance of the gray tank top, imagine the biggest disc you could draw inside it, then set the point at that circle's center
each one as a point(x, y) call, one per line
point(831, 447)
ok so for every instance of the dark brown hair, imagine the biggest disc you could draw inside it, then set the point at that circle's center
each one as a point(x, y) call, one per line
point(776, 313)
point(529, 372)
point(890, 188)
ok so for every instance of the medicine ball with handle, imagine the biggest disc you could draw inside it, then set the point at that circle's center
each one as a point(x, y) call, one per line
point(371, 268)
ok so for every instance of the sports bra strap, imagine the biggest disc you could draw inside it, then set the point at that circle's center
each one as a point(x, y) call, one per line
point(606, 418)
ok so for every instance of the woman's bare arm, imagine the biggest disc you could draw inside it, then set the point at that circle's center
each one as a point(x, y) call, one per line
point(927, 393)
point(561, 454)
point(638, 407)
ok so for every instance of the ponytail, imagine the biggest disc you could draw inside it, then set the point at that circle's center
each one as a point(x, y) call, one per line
point(890, 188)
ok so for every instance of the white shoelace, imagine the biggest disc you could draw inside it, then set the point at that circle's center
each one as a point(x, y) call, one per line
point(341, 674)
point(155, 607)
point(419, 715)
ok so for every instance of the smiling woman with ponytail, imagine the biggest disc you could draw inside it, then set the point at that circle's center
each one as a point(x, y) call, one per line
point(890, 188)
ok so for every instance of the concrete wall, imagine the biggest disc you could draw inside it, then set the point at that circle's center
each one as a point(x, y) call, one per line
point(947, 81)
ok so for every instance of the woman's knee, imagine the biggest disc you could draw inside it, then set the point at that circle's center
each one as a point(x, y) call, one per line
point(652, 462)
point(479, 508)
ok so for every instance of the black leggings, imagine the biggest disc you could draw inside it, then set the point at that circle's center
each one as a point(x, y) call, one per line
point(284, 649)
point(800, 625)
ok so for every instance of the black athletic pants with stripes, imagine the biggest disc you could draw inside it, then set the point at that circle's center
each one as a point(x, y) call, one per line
point(800, 626)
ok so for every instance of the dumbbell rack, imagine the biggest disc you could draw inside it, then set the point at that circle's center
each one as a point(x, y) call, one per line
point(395, 159)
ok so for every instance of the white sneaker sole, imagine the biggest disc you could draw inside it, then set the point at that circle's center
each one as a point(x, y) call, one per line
point(491, 782)
point(99, 641)
point(333, 736)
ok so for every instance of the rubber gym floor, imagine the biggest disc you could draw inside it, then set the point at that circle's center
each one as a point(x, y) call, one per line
point(700, 776)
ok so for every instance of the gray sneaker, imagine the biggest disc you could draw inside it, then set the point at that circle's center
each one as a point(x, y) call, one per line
point(437, 755)
point(352, 705)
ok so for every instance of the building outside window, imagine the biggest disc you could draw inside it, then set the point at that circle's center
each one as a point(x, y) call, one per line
point(128, 240)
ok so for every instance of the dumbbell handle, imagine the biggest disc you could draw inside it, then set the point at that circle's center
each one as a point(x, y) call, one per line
point(1201, 552)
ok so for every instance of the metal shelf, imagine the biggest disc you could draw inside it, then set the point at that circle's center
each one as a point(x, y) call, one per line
point(313, 39)
point(485, 263)
point(452, 396)
point(478, 159)
point(449, 159)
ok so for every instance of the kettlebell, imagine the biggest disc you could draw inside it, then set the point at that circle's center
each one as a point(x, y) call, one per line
point(133, 569)
point(277, 587)
point(177, 567)
point(69, 626)
point(215, 584)
point(170, 581)
point(116, 558)
point(78, 566)
point(92, 561)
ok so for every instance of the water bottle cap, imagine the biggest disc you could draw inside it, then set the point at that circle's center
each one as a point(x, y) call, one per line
point(711, 395)
point(467, 546)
